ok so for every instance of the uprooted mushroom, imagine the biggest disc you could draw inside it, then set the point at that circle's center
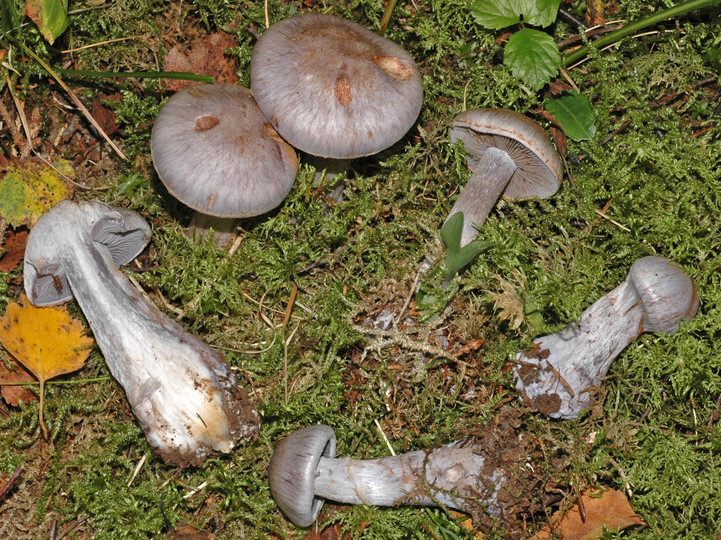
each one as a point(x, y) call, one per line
point(558, 374)
point(490, 476)
point(185, 397)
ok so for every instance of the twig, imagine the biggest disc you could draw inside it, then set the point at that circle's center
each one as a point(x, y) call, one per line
point(387, 14)
point(21, 115)
point(98, 44)
point(616, 223)
point(11, 481)
point(632, 28)
point(74, 99)
point(408, 299)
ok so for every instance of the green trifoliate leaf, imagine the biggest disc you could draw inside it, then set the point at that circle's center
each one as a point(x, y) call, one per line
point(532, 56)
point(574, 113)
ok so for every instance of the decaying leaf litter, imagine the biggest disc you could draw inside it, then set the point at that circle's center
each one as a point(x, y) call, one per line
point(646, 185)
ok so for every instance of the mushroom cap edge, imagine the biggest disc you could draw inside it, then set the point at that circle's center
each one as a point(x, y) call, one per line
point(292, 472)
point(540, 169)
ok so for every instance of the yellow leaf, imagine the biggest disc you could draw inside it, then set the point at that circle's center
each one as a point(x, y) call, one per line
point(47, 341)
point(29, 189)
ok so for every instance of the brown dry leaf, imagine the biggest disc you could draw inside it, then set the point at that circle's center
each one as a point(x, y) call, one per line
point(104, 116)
point(205, 57)
point(184, 531)
point(47, 341)
point(13, 394)
point(14, 250)
point(611, 510)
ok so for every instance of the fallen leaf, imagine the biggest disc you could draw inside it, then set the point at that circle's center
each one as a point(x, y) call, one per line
point(611, 510)
point(14, 250)
point(183, 531)
point(47, 341)
point(13, 394)
point(205, 57)
point(30, 188)
point(104, 116)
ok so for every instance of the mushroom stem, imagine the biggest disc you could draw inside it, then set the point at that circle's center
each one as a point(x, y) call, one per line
point(224, 229)
point(446, 475)
point(558, 374)
point(184, 396)
point(485, 186)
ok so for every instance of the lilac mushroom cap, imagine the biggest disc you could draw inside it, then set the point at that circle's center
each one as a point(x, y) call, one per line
point(292, 472)
point(509, 155)
point(333, 88)
point(217, 153)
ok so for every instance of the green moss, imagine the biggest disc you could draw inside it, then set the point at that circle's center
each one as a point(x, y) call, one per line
point(656, 177)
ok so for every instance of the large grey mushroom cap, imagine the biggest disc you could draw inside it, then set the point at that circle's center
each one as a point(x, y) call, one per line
point(539, 170)
point(333, 88)
point(292, 472)
point(123, 232)
point(217, 153)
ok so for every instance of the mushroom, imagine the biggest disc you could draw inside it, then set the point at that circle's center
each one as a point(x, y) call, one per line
point(304, 472)
point(217, 153)
point(509, 155)
point(182, 393)
point(334, 89)
point(558, 374)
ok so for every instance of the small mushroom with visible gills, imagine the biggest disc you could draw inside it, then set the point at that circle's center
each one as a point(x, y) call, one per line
point(304, 472)
point(185, 397)
point(333, 88)
point(509, 155)
point(217, 153)
point(558, 375)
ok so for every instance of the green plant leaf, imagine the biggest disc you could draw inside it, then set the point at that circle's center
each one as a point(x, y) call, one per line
point(541, 12)
point(574, 113)
point(496, 14)
point(50, 16)
point(459, 257)
point(532, 56)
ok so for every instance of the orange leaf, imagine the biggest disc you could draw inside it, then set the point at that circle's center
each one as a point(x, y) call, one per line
point(47, 341)
point(611, 510)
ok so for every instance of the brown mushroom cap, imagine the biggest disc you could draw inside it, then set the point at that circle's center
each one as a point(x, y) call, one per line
point(539, 170)
point(333, 88)
point(216, 152)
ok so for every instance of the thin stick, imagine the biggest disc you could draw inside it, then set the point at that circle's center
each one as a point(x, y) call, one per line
point(616, 223)
point(387, 14)
point(385, 439)
point(11, 481)
point(74, 99)
point(632, 28)
point(408, 299)
point(42, 400)
point(98, 44)
point(137, 469)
